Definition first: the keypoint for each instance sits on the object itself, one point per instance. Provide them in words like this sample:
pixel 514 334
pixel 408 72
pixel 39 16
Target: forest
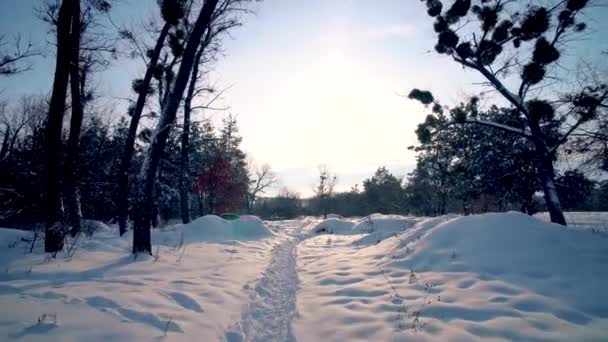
pixel 67 156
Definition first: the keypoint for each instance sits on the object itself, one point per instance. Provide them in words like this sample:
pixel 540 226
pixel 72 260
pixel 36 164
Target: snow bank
pixel 517 262
pixel 10 237
pixel 215 228
pixel 333 226
pixel 184 292
pixel 379 227
pixel 376 227
pixel 593 221
pixel 503 277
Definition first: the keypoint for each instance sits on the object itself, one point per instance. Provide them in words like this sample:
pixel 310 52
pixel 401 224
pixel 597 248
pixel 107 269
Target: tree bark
pixel 123 181
pixel 53 238
pixel 552 202
pixel 184 181
pixel 141 236
pixel 547 174
pixel 71 174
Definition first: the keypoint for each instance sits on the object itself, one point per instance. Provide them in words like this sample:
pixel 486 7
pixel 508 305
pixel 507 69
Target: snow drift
pixel 503 277
pixel 333 226
pixel 215 228
pixel 376 227
pixel 549 259
pixel 499 277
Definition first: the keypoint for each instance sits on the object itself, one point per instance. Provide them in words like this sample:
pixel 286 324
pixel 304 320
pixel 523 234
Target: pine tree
pixel 539 31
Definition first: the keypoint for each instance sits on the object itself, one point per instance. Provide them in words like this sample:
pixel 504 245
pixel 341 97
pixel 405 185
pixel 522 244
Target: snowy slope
pixel 487 277
pixel 497 277
pixel 189 289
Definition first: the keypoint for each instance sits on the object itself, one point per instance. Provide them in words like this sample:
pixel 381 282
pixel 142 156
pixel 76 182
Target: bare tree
pixel 260 178
pixel 141 232
pixel 71 197
pixel 223 19
pixel 53 238
pixel 324 189
pixel 11 125
pixel 172 11
pixel 90 45
pixel 14 62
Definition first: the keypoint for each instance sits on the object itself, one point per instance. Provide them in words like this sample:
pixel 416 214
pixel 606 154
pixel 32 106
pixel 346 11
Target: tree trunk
pixel 547 174
pixel 184 181
pixel 141 236
pixel 71 175
pixel 125 165
pixel 53 238
pixel 201 208
pixel 5 143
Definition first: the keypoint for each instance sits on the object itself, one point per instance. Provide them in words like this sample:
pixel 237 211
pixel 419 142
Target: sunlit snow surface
pixel 383 278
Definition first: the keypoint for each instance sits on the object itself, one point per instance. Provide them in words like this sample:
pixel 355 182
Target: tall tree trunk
pixel 141 234
pixel 71 175
pixel 123 181
pixel 53 237
pixel 184 181
pixel 547 174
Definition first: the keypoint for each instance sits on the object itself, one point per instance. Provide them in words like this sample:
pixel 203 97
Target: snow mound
pixel 558 263
pixel 91 226
pixel 376 227
pixel 10 237
pixel 498 277
pixel 215 228
pixel 333 216
pixel 379 227
pixel 333 226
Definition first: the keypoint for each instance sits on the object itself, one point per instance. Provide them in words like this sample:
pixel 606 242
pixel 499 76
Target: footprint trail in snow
pixel 272 308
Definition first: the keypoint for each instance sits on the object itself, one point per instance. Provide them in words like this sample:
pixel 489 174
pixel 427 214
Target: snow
pixel 334 226
pixel 215 228
pixel 187 290
pixel 596 222
pixel 495 277
pixel 375 227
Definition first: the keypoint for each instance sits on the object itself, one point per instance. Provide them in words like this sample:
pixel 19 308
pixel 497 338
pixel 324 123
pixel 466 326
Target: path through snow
pixel 269 315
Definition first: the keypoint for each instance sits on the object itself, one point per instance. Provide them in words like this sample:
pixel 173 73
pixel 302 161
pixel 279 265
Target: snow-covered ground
pixel 382 278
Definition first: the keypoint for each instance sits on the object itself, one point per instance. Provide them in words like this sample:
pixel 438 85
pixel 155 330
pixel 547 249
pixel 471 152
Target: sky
pixel 311 82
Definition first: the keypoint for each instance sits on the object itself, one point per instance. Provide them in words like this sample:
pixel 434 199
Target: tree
pixel 287 204
pixel 88 46
pixel 480 51
pixel 13 62
pixel 466 165
pixel 21 167
pixel 591 139
pixel 172 11
pixel 206 54
pixel 260 179
pixel 81 18
pixel 223 177
pixel 141 235
pixel 383 192
pixel 324 189
pixel 574 189
pixel 53 238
